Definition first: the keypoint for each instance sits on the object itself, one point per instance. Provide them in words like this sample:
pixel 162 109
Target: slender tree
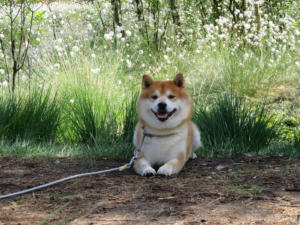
pixel 116 8
pixel 20 16
pixel 141 18
pixel 175 17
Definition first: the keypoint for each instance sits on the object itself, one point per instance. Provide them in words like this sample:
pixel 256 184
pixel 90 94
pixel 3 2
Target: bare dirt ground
pixel 208 191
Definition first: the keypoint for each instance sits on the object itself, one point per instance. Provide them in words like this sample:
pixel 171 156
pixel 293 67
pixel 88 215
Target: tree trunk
pixel 139 10
pixel 116 7
pixel 258 17
pixel 141 19
pixel 175 17
pixel 216 11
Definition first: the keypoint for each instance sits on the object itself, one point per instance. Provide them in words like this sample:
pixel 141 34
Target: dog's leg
pixel 193 155
pixel 173 166
pixel 196 141
pixel 143 167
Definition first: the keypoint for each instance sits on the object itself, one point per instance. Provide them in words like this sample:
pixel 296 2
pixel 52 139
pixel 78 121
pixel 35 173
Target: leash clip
pixel 134 157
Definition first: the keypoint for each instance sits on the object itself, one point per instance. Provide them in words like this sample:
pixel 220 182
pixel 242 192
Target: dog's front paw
pixel 167 170
pixel 193 156
pixel 148 171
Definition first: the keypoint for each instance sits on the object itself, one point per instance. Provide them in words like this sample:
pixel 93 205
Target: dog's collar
pixel 146 134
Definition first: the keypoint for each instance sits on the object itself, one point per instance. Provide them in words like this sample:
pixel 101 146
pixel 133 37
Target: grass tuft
pixel 34 116
pixel 129 117
pixel 99 120
pixel 91 118
pixel 232 127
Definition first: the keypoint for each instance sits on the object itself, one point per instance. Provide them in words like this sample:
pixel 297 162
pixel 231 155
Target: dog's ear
pixel 179 80
pixel 147 81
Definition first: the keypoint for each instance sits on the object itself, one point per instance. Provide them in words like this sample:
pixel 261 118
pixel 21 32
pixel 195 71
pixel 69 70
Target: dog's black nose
pixel 162 106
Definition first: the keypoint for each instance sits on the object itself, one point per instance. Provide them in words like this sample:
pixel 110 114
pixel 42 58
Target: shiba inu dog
pixel 165 134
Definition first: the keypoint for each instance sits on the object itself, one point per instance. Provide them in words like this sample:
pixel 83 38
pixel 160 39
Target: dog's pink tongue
pixel 162 115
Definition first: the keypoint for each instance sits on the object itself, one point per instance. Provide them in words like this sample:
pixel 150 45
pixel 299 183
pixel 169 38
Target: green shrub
pixel 231 127
pixel 91 118
pixel 297 141
pixel 97 119
pixel 129 118
pixel 34 116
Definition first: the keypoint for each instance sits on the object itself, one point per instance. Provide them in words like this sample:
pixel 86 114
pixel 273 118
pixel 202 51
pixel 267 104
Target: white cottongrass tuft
pixel 5 83
pixel 89 26
pixel 129 63
pixel 96 70
pixel 167 59
pixel 109 36
pixel 75 48
pixel 128 33
pixel 57 65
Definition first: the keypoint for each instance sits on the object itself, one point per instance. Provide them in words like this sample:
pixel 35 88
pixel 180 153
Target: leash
pixel 121 168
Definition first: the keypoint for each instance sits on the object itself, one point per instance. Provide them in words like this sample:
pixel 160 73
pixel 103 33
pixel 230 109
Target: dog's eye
pixel 171 96
pixel 154 96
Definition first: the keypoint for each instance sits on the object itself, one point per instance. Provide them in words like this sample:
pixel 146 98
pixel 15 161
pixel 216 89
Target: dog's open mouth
pixel 163 115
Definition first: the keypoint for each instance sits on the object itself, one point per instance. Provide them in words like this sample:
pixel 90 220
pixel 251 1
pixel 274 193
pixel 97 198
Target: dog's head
pixel 164 104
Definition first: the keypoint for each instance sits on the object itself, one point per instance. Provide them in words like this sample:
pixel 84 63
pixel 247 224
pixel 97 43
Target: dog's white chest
pixel 160 149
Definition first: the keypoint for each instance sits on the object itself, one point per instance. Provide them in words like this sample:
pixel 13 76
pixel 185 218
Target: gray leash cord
pixel 121 168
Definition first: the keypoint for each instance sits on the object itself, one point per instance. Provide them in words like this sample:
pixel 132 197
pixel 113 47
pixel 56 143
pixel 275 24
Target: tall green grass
pixel 230 126
pixel 129 117
pixel 98 110
pixel 95 106
pixel 97 119
pixel 101 124
pixel 91 118
pixel 33 116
